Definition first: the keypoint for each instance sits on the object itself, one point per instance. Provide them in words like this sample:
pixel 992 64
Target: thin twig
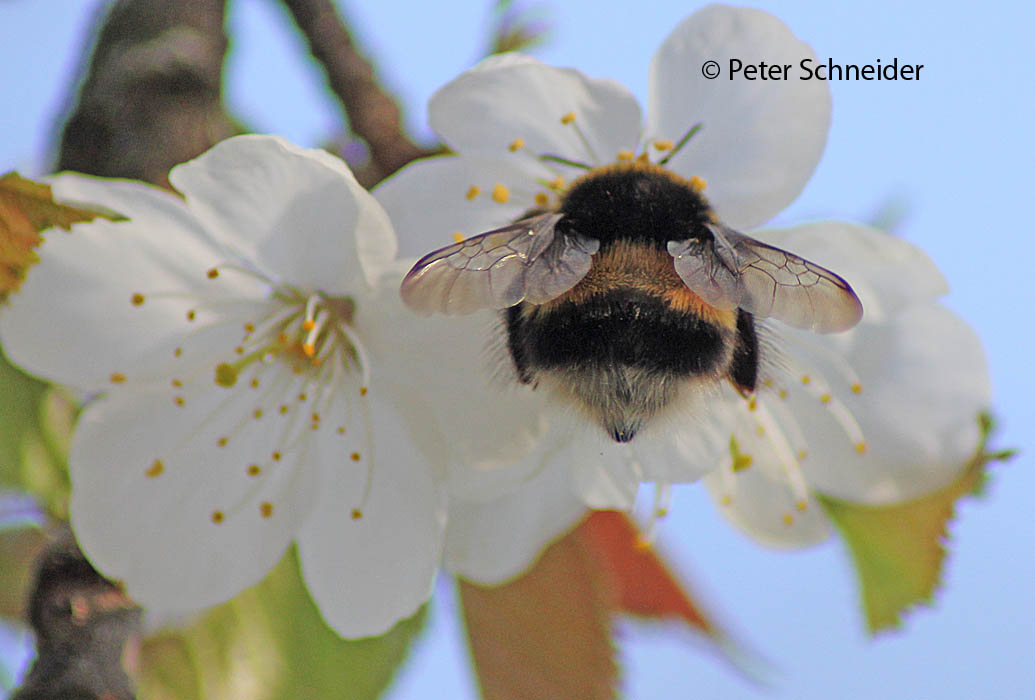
pixel 372 113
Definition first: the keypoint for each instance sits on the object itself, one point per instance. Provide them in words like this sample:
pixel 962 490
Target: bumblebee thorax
pixel 636 201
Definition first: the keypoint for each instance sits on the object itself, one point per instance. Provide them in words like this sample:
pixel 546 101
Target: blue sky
pixel 956 146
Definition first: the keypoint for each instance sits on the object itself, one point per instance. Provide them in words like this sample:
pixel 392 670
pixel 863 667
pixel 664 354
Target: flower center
pixel 290 374
pixel 305 333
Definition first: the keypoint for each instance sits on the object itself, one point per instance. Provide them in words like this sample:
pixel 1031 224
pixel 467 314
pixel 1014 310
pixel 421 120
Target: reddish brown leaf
pixel 26 208
pixel 644 584
pixel 546 634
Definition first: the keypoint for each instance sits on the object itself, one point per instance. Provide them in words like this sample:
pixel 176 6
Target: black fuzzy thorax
pixel 639 203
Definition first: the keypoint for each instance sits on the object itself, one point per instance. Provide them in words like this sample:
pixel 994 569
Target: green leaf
pixel 899 551
pixel 35 431
pixel 19 549
pixel 270 643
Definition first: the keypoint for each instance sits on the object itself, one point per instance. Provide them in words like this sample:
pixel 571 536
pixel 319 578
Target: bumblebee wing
pixel 734 270
pixel 526 260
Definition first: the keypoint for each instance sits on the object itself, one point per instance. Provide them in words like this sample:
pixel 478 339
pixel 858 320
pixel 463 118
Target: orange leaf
pixel 26 208
pixel 546 634
pixel 644 584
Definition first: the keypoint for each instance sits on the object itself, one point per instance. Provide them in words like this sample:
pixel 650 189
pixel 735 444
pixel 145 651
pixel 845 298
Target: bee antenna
pixel 549 157
pixel 682 142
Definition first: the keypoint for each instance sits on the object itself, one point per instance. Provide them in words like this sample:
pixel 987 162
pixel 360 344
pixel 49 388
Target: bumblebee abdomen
pixel 624 328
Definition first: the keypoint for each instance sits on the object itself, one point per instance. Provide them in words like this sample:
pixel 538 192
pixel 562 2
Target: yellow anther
pixel 857 388
pixel 568 118
pixel 239 350
pixel 825 399
pixel 726 500
pixel 802 454
pixel 218 516
pixel 663 145
pixel 137 299
pixel 266 509
pixel 788 519
pixel 752 403
pixel 759 431
pixel 341 430
pixel 283 408
pixel 354 456
pixel 782 393
pixel 177 352
pixel 282 338
pixel 177 383
pixel 117 377
pixel 356 514
pixel 516 145
pixel 316 417
pixel 155 469
pixel 643 158
pixel 626 155
pixel 212 273
pixel 741 461
pixel 249 328
pixel 257 414
pixel 472 192
pixel 541 199
pixel 500 194
pixel 222 441
pixel 254 383
pixel 309 349
pixel 641 544
pixel 276 456
pixel 303 396
pixel 801 506
pixel 226 375
pixel 860 447
pixel 254 470
pixel 458 237
pixel 308 325
pixel 191 315
pixel 806 379
pixel 363 391
pixel 697 184
pixel 179 401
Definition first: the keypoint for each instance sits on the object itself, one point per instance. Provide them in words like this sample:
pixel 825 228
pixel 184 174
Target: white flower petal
pixel 760 139
pixel 886 272
pixel 493 541
pixel 158 503
pixel 74 320
pixel 367 573
pixel 430 200
pixel 924 380
pixel 299 214
pixel 510 97
pixel 762 505
pixel 605 474
pixel 492 425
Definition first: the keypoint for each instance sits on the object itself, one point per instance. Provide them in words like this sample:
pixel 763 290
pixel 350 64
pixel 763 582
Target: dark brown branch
pixel 152 96
pixel 372 113
pixel 85 629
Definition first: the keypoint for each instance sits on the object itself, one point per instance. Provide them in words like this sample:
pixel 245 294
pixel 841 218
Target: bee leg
pixel 515 345
pixel 743 369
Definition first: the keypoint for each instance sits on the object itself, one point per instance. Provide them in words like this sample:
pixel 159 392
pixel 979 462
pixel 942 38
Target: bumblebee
pixel 630 294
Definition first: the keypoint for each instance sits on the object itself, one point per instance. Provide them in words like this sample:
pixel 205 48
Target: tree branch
pixel 372 113
pixel 152 95
pixel 85 628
